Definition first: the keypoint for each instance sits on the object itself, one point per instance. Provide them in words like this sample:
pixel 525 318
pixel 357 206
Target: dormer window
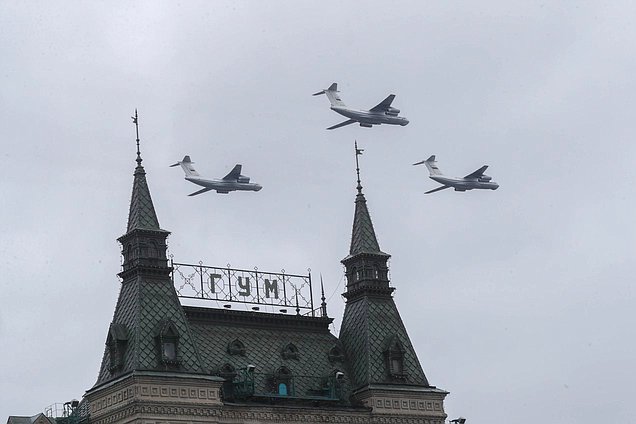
pixel 167 337
pixel 283 382
pixel 290 352
pixel 228 372
pixel 336 354
pixel 236 347
pixel 394 354
pixel 116 342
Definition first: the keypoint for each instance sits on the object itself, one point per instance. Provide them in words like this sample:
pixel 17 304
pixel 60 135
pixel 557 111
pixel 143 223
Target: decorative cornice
pixel 258 319
pixel 368 289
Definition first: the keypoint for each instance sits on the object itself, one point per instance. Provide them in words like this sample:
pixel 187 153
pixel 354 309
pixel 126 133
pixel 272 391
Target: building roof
pixel 265 338
pixel 142 213
pixel 147 299
pixel 368 327
pixel 36 419
pixel 363 239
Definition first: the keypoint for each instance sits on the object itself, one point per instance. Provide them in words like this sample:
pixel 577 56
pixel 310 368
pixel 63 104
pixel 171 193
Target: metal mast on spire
pixel 136 122
pixel 323 305
pixel 358 153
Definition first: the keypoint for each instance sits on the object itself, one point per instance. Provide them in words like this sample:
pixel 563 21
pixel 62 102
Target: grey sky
pixel 519 301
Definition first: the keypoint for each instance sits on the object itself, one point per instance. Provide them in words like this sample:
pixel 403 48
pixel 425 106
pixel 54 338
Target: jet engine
pixel 243 179
pixel 392 111
pixel 485 178
pixel 364 124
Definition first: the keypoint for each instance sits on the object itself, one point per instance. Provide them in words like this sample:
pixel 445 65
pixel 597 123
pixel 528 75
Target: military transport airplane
pixel 231 182
pixel 476 179
pixel 383 113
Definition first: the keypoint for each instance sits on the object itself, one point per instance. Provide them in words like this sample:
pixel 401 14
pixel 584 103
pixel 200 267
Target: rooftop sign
pixel 244 286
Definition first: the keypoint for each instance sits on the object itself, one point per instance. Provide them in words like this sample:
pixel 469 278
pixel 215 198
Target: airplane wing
pixel 437 189
pixel 203 190
pixel 477 173
pixel 384 104
pixel 342 124
pixel 234 173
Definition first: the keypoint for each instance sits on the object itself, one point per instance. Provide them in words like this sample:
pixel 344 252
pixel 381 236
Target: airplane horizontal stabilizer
pixel 203 190
pixel 342 124
pixel 333 88
pixel 430 159
pixel 437 189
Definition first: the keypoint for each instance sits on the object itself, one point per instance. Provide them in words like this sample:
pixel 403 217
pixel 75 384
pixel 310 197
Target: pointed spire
pixel 323 304
pixel 363 239
pixel 142 213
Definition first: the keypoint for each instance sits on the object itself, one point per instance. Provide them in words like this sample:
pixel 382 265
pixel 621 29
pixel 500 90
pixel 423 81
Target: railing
pixel 66 413
pixel 254 385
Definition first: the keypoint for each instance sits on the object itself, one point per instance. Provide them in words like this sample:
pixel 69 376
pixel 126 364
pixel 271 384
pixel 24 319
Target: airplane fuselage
pixel 368 118
pixel 224 186
pixel 463 184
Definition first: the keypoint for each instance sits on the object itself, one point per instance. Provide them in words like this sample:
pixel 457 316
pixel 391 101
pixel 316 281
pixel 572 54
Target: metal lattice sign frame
pixel 243 286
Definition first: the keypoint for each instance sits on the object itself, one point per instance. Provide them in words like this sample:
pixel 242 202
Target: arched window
pixel 236 347
pixel 228 372
pixel 167 337
pixel 116 342
pixel 129 253
pixel 394 354
pixel 282 389
pixel 283 382
pixel 153 250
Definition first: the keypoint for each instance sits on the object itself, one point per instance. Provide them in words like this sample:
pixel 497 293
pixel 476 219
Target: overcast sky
pixel 518 301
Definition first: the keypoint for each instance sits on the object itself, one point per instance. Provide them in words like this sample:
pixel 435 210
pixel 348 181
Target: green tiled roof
pixel 147 297
pixel 363 239
pixel 142 305
pixel 264 337
pixel 142 212
pixel 368 324
pixel 371 319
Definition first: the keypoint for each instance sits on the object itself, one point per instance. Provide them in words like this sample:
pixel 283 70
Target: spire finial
pixel 358 153
pixel 297 307
pixel 323 305
pixel 136 122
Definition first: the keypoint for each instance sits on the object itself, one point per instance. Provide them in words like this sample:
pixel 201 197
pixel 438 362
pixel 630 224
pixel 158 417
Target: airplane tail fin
pixel 186 165
pixel 332 95
pixel 431 164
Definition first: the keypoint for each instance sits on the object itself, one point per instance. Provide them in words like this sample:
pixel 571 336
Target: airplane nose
pixel 405 122
pixel 259 187
pixel 496 186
